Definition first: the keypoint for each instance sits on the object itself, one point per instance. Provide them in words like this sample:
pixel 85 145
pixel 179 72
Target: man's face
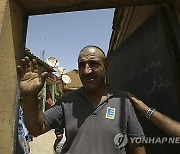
pixel 91 68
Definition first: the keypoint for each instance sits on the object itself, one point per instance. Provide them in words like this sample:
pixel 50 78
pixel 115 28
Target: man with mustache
pixel 97 118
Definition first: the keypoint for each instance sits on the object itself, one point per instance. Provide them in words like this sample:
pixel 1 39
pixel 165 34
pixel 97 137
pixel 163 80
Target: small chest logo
pixel 110 113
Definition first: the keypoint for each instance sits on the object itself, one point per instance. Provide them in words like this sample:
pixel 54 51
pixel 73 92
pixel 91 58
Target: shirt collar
pixel 109 95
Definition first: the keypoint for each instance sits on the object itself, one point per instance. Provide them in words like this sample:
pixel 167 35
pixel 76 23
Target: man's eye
pixel 94 64
pixel 81 65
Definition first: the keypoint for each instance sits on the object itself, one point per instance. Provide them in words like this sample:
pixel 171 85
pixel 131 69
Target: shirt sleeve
pixel 134 127
pixel 54 117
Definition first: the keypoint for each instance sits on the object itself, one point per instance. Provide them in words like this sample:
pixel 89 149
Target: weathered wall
pixel 13 22
pixel 137 73
pixel 11 43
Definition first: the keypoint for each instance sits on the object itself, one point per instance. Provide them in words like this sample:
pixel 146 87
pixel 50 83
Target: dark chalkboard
pixel 141 65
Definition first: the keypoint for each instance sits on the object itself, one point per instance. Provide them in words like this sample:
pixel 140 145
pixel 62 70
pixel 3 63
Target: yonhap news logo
pixel 155 140
pixel 120 140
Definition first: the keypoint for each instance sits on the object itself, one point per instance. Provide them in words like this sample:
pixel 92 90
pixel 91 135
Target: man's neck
pixel 96 96
pixel 103 90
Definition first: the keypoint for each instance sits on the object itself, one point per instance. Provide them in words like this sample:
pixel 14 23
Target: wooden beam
pixel 34 7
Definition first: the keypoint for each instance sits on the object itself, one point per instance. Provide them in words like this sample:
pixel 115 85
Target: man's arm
pixel 168 125
pixel 134 131
pixel 30 85
pixel 33 116
pixel 134 148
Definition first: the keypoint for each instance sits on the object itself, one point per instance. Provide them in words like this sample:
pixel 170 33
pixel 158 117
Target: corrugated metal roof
pixel 32 56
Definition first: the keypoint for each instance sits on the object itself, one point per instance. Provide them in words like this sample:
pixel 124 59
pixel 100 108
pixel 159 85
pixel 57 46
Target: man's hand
pixel 30 81
pixel 140 106
pixel 168 125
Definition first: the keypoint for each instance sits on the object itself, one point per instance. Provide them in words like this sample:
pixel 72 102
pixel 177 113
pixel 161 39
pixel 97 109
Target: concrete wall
pixel 128 19
pixel 13 22
pixel 11 44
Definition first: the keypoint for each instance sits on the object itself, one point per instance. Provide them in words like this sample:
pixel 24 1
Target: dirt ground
pixel 43 144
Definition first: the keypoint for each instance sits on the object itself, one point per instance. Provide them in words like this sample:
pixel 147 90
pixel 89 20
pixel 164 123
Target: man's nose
pixel 87 69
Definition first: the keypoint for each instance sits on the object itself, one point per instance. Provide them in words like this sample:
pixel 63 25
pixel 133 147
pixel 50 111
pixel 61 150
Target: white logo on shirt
pixel 110 113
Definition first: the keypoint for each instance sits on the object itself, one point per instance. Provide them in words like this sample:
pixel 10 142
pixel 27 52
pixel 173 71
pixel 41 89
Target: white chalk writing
pixel 157 83
pixel 135 74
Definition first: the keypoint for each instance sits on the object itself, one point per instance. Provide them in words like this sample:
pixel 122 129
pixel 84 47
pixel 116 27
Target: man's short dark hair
pixel 93 46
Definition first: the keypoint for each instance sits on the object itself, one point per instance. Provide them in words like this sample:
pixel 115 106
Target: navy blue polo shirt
pixel 94 131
